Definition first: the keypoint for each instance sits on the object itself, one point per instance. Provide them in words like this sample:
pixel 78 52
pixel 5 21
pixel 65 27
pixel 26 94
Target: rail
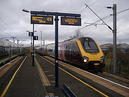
pixel 68 92
pixel 118 88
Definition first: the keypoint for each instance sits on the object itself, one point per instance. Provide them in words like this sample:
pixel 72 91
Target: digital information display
pixel 41 19
pixel 73 21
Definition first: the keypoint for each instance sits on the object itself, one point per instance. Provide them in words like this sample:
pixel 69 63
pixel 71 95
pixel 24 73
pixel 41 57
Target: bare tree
pixel 77 34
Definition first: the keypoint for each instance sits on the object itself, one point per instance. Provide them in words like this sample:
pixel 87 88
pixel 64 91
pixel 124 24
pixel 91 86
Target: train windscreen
pixel 90 46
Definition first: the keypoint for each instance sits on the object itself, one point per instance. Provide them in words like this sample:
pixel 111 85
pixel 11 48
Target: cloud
pixel 14 22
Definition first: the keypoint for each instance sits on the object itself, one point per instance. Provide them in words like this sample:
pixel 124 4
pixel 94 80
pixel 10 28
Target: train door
pixel 76 56
pixel 62 51
pixel 67 52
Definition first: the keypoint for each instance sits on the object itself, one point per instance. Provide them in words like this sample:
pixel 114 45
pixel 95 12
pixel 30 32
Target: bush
pixel 122 61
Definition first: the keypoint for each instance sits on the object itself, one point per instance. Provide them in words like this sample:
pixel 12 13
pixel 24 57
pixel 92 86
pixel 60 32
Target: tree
pixel 77 34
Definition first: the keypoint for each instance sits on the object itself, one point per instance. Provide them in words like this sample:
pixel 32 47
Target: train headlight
pixel 102 58
pixel 85 59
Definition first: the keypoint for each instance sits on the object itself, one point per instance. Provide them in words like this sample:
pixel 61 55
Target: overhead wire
pixel 101 19
pixel 96 21
pixel 123 11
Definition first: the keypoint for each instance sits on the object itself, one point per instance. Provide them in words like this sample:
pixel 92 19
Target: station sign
pixel 41 19
pixel 35 37
pixel 30 33
pixel 73 21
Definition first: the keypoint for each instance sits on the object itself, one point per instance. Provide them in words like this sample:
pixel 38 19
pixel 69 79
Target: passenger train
pixel 83 52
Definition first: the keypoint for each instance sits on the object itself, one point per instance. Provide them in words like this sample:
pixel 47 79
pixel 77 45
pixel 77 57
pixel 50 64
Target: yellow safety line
pixel 80 80
pixel 8 85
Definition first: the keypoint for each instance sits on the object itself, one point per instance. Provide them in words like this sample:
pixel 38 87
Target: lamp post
pixel 31 35
pixel 114 8
pixel 13 44
pixel 24 10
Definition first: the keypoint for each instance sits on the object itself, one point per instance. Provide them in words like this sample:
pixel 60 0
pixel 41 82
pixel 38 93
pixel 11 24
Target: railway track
pixel 118 88
pixel 106 75
pixel 7 70
pixel 7 66
pixel 115 78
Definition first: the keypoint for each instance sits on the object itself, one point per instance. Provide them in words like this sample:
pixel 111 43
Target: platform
pixel 39 81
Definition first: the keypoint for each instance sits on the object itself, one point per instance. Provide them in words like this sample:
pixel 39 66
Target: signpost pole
pixel 31 40
pixel 56 52
pixel 33 48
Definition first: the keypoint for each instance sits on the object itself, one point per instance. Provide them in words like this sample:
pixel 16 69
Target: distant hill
pixel 123 45
pixel 109 45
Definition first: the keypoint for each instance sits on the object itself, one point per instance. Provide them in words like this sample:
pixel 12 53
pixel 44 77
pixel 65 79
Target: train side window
pixel 66 46
pixel 59 48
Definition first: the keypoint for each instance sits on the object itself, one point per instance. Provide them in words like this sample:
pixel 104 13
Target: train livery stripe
pixel 8 85
pixel 79 80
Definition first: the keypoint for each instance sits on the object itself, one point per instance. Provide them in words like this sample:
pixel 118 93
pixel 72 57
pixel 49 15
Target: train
pixel 82 52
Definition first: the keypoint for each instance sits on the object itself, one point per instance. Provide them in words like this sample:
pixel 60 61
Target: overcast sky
pixel 14 22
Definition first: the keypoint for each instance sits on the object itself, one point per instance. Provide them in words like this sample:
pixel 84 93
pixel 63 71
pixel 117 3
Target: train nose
pixel 102 58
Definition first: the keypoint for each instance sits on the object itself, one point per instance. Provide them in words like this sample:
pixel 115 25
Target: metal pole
pixel 31 42
pixel 114 38
pixel 33 48
pixel 56 52
pixel 41 40
pixel 17 46
pixel 10 51
pixel 13 45
pixel 43 46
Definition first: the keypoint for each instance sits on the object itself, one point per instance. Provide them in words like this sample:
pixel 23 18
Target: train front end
pixel 92 55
